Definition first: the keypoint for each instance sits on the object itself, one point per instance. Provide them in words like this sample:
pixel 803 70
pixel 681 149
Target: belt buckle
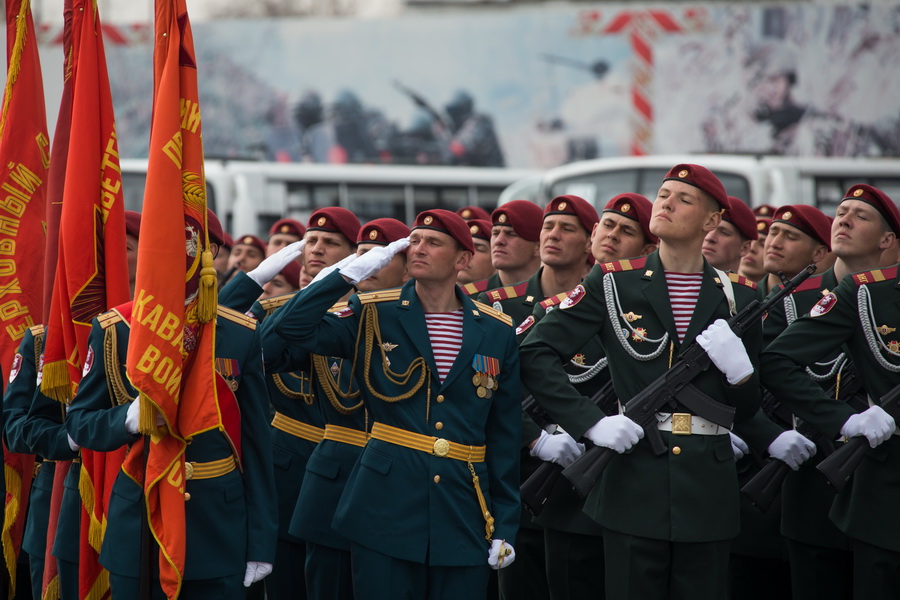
pixel 441 447
pixel 188 471
pixel 681 423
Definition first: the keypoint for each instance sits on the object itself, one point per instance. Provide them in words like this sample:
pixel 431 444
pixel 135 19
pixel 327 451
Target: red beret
pixel 634 206
pixel 215 231
pixel 335 220
pixel 808 219
pixel 701 178
pixel 762 225
pixel 879 200
pixel 764 210
pixel 740 215
pixel 473 212
pixel 525 217
pixel 291 272
pixel 250 240
pixel 382 232
pixel 480 229
pixel 576 206
pixel 447 222
pixel 132 223
pixel 228 242
pixel 288 226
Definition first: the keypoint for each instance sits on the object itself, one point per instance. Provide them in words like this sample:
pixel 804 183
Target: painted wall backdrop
pixel 529 87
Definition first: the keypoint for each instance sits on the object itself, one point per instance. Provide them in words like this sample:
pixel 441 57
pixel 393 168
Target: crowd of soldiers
pixel 381 369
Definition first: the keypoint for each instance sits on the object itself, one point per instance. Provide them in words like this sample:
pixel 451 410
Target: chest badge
pixel 884 329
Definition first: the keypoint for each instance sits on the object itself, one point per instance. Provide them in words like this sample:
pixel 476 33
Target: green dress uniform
pixel 412 509
pixel 681 507
pixel 230 514
pixel 858 315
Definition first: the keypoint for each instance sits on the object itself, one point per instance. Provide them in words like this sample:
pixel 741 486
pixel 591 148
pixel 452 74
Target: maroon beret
pixel 740 215
pixel 764 210
pixel 288 226
pixel 481 229
pixel 525 217
pixel 576 206
pixel 250 240
pixel 762 225
pixel 228 242
pixel 132 223
pixel 634 206
pixel 291 272
pixel 808 219
pixel 447 222
pixel 215 231
pixel 473 212
pixel 382 232
pixel 701 178
pixel 877 199
pixel 335 219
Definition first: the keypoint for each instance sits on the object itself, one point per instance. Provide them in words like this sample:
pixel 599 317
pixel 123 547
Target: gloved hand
pixel 326 271
pixel 272 266
pixel 874 423
pixel 72 443
pixel 133 417
pixel 615 431
pixel 559 448
pixel 256 571
pixel 738 446
pixel 501 554
pixel 726 351
pixel 792 448
pixel 373 261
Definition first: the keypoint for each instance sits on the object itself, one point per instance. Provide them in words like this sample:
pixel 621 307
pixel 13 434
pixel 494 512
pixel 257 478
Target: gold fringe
pixel 147 419
pixel 86 489
pixel 207 297
pixel 100 587
pixel 55 383
pixel 15 60
pixel 52 591
pixel 11 513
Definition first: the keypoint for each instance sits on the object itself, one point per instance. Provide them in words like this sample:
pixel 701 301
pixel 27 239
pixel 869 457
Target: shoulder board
pixel 108 319
pixel 741 280
pixel 380 296
pixel 508 292
pixel 36 330
pixel 493 312
pixel 270 304
pixel 875 276
pixel 813 283
pixel 475 287
pixel 554 300
pixel 237 317
pixel 628 264
pixel 337 307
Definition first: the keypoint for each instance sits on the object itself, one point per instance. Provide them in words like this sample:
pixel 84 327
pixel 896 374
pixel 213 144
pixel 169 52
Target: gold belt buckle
pixel 681 423
pixel 188 471
pixel 441 447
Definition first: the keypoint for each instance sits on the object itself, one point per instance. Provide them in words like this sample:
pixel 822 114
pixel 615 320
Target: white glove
pixel 560 448
pixel 874 423
pixel 133 417
pixel 326 271
pixel 72 443
pixel 615 431
pixel 792 448
pixel 738 446
pixel 373 261
pixel 726 351
pixel 501 554
pixel 273 265
pixel 256 571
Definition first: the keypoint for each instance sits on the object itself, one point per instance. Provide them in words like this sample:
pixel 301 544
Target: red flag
pixel 24 160
pixel 50 585
pixel 171 348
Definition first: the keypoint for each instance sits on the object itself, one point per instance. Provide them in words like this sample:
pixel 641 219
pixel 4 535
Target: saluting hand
pixel 272 266
pixel 373 261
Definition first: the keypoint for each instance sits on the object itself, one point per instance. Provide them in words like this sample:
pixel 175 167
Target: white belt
pixel 688 424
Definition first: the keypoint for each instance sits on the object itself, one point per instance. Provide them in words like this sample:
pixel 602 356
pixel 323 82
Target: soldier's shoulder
pixel 338 307
pixel 109 318
pixel 741 280
pixel 494 313
pixel 554 300
pixel 270 304
pixel 508 292
pixel 811 284
pixel 875 275
pixel 237 317
pixel 36 330
pixel 380 296
pixel 622 266
pixel 476 287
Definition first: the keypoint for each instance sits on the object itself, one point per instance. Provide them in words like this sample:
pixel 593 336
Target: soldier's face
pixel 682 212
pixel 858 231
pixel 724 246
pixel 788 249
pixel 480 266
pixel 564 242
pixel 323 249
pixel 279 241
pixel 245 257
pixel 616 237
pixel 434 256
pixel 393 275
pixel 509 250
pixel 752 263
pixel 277 286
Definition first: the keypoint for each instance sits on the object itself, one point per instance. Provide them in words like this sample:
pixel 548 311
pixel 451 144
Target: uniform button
pixel 676 450
pixel 187 496
pixel 437 478
pixel 438 425
pixel 440 398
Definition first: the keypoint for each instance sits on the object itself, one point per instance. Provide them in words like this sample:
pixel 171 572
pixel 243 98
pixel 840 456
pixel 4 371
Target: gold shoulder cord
pixel 114 382
pixel 332 387
pixel 38 348
pixel 308 398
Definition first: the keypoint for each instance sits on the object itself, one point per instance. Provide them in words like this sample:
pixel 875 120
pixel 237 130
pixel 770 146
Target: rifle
pixel 839 467
pixel 674 387
pixel 763 488
pixel 536 489
pixel 421 102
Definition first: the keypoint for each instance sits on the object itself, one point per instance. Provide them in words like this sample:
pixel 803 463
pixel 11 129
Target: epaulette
pixel 741 280
pixel 554 300
pixel 875 276
pixel 493 312
pixel 270 304
pixel 36 330
pixel 237 317
pixel 629 264
pixel 108 319
pixel 380 296
pixel 813 283
pixel 337 307
pixel 475 287
pixel 508 292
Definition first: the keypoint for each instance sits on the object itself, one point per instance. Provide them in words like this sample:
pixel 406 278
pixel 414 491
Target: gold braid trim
pixel 308 398
pixel 114 384
pixel 332 387
pixel 369 320
pixel 38 344
pixel 482 503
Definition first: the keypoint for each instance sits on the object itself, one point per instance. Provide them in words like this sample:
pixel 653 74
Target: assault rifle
pixel 420 101
pixel 674 387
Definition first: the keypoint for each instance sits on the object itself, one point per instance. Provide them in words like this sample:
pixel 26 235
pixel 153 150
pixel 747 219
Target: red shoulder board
pixel 525 325
pixel 875 276
pixel 475 287
pixel 507 292
pixel 629 264
pixel 813 283
pixel 554 300
pixel 740 280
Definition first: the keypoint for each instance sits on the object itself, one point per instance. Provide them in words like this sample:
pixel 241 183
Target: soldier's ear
pixel 888 239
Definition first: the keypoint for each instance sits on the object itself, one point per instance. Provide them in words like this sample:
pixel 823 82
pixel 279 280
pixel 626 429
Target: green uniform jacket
pixel 401 502
pixel 867 508
pixel 230 519
pixel 690 495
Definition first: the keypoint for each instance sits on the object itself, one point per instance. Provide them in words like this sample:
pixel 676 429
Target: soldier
pixel 410 538
pixel 330 236
pixel 727 244
pixel 752 263
pixel 284 232
pixel 667 520
pixel 247 253
pixel 799 235
pixel 285 282
pixel 480 267
pixel 857 315
pixel 624 229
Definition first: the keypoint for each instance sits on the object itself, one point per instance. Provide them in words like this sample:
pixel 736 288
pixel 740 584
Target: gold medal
pixel 476 379
pixel 482 392
pixel 489 383
pixel 496 385
pixel 488 393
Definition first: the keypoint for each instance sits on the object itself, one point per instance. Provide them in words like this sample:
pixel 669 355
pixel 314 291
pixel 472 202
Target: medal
pixel 485 378
pixel 482 392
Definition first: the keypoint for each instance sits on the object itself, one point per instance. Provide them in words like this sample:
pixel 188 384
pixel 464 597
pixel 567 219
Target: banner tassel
pixel 55 381
pixel 208 298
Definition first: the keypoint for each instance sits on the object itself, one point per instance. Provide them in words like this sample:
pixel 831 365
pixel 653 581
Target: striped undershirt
pixel 445 333
pixel 684 288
